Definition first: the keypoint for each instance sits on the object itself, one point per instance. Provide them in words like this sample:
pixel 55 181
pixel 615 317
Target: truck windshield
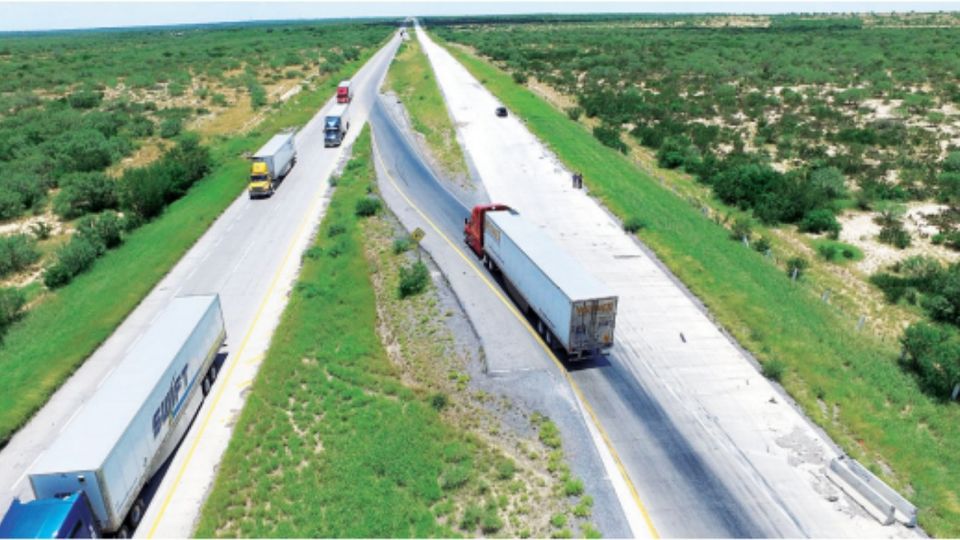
pixel 333 122
pixel 258 177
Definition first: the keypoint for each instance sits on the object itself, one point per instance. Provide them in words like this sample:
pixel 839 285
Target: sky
pixel 20 16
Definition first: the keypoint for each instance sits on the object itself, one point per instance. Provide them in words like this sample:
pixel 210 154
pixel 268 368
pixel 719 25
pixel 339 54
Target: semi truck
pixel 271 164
pixel 89 481
pixel 335 125
pixel 573 311
pixel 344 92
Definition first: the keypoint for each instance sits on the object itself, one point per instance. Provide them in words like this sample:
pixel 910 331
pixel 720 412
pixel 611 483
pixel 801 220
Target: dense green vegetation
pixel 46 344
pixel 847 382
pixel 331 443
pixel 820 97
pixel 412 79
pixel 76 102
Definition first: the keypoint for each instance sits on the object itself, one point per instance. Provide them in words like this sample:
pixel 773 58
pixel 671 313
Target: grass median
pixel 54 338
pixel 411 78
pixel 849 383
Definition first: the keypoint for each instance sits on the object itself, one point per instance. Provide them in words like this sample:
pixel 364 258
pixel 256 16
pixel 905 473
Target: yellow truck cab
pixel 260 181
pixel 271 164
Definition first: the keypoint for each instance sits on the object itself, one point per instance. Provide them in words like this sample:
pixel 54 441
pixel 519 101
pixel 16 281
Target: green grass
pixel 411 77
pixel 56 336
pixel 331 443
pixel 882 418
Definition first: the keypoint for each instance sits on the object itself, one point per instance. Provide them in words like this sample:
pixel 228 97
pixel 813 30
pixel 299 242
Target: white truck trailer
pixel 571 309
pixel 131 425
pixel 272 163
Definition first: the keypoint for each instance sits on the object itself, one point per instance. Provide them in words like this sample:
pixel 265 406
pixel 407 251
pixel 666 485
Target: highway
pixel 250 256
pixel 712 447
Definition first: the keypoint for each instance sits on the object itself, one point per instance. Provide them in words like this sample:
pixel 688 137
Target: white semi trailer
pixel 573 310
pixel 120 437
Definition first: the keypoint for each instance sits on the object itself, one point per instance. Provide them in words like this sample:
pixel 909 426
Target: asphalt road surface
pixel 250 256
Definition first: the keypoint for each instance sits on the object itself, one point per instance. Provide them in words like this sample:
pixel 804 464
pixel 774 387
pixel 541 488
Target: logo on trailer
pixel 171 401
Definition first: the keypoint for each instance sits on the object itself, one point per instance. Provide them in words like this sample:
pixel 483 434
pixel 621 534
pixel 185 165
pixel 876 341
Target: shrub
pixel 471 517
pixel 742 228
pixel 520 77
pixel 634 224
pixel 674 152
pixel 17 252
pixel 219 100
pixel 11 304
pixel 895 235
pixel 144 192
pixel 773 370
pixel 820 220
pixel 104 231
pixel 583 508
pixel 573 487
pixel 368 206
pixel 932 351
pixel 505 468
pixel 401 245
pixel 574 113
pixel 549 434
pixel 41 229
pixel 797 265
pixel 86 98
pixel 73 258
pixel 171 127
pixel 610 136
pixel 558 520
pixel 438 401
pixel 491 522
pixel 413 279
pixel 82 193
pixel 762 244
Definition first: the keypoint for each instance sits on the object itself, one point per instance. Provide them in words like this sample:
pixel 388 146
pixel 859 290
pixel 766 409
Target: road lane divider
pixel 471 262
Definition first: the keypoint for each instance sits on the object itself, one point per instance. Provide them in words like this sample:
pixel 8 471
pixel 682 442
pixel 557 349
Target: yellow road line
pixel 224 383
pixel 516 313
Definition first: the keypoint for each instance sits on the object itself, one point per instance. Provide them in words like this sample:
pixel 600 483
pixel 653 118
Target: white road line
pixel 13 488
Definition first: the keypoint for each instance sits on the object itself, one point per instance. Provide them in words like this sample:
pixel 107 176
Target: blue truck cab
pixel 67 517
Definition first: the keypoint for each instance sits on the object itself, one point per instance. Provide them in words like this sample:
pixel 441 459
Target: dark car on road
pixel 502 112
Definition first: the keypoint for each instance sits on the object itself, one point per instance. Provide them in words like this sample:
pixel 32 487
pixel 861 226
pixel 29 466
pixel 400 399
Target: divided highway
pixel 250 256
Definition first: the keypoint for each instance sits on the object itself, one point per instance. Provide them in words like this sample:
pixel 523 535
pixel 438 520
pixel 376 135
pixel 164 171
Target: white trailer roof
pixel 88 439
pixel 274 144
pixel 337 110
pixel 562 269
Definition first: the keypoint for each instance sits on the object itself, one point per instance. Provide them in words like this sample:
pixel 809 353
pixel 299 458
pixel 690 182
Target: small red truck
pixel 344 92
pixel 572 310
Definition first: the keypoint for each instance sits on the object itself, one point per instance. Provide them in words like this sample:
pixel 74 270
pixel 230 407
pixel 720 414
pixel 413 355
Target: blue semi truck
pixel 89 482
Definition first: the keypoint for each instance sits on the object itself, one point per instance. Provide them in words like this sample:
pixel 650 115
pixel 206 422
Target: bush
pixel 86 98
pixel 574 113
pixel 610 136
pixel 634 224
pixel 932 352
pixel 742 228
pixel 773 370
pixel 368 206
pixel 147 190
pixel 471 517
pixel 17 252
pixel 104 231
pixel 171 127
pixel 413 279
pixel 798 265
pixel 820 220
pixel 73 258
pixel 674 152
pixel 11 305
pixel 491 522
pixel 82 193
pixel 894 234
pixel 762 245
pixel 520 77
pixel 401 245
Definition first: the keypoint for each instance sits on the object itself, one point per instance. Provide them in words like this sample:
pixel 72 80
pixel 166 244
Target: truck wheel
pixel 205 385
pixel 212 374
pixel 124 531
pixel 136 514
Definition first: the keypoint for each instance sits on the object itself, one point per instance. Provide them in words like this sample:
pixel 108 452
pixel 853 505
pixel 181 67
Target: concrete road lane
pixel 250 256
pixel 517 365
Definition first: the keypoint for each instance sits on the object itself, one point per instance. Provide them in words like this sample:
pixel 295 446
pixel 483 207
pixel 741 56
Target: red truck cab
pixel 473 226
pixel 344 92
